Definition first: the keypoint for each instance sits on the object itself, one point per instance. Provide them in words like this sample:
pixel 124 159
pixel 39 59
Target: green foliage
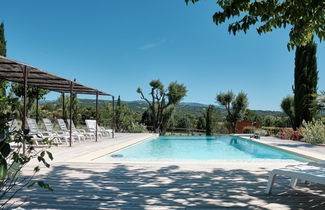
pixel 320 106
pixel 161 99
pixel 125 120
pixel 3 42
pixel 252 116
pixel 249 129
pixel 176 92
pixel 183 122
pixel 313 132
pixel 33 93
pixel 287 106
pixel 201 123
pixel 275 121
pixel 272 131
pixel 195 109
pixel 261 132
pixel 210 120
pixel 140 114
pixel 167 118
pixel 13 160
pixel 221 128
pixel 236 107
pixel 305 86
pixel 105 114
pixel 304 17
pixel 119 114
pixel 60 100
pixel 3 52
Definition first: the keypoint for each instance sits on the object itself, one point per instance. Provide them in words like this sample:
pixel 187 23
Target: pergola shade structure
pixel 30 76
pixel 14 71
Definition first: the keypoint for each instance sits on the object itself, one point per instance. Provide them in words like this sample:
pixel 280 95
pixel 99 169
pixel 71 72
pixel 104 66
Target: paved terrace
pixel 235 185
pixel 310 150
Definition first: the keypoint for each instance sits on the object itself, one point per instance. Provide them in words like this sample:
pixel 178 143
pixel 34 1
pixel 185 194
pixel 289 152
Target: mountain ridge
pixel 194 108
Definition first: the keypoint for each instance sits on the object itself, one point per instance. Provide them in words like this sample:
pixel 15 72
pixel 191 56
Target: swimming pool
pixel 200 148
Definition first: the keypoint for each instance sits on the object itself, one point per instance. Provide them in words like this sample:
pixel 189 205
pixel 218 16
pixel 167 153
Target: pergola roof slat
pixel 13 71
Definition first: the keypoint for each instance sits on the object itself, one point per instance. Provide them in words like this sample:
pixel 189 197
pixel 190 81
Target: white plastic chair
pixel 311 172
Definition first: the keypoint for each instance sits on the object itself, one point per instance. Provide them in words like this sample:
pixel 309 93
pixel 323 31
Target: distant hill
pixel 182 108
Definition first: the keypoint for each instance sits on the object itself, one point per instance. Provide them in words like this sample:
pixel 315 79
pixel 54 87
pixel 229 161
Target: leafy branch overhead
pixel 305 18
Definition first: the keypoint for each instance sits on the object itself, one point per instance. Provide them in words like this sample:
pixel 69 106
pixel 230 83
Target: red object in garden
pixel 245 123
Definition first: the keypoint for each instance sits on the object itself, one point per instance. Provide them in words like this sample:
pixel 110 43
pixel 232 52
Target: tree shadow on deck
pixel 93 186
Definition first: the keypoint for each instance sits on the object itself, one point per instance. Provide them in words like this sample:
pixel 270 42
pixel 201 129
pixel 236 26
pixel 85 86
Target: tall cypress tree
pixel 210 120
pixel 305 84
pixel 118 115
pixel 3 49
pixel 3 52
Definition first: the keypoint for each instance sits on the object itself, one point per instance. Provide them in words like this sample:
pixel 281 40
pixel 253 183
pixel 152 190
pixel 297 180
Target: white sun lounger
pixel 91 125
pixel 63 134
pixel 89 135
pixel 313 172
pixel 37 135
pixel 78 132
pixel 13 127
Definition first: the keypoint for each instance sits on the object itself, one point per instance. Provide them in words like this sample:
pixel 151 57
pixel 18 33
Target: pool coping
pixel 307 154
pixel 108 150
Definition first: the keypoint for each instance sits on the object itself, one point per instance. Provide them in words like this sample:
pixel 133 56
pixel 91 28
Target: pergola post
pixel 113 127
pixel 37 95
pixel 71 99
pixel 96 115
pixel 63 107
pixel 24 120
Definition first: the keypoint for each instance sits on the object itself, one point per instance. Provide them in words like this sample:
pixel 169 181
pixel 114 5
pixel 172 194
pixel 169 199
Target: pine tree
pixel 305 85
pixel 3 52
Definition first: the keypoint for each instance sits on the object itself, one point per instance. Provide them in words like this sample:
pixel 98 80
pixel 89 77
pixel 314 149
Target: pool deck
pixel 312 151
pixel 82 184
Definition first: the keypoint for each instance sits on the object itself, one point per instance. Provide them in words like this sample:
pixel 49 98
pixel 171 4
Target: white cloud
pixel 152 45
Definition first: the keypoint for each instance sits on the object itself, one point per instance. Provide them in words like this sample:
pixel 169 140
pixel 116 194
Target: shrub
pixel 313 132
pixel 221 128
pixel 137 128
pixel 272 131
pixel 261 132
pixel 249 129
pixel 13 159
pixel 289 133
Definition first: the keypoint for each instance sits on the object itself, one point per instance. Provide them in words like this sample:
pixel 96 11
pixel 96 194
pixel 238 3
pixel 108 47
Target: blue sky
pixel 117 46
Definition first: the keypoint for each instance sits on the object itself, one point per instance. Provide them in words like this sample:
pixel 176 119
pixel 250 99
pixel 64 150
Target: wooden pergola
pixel 30 76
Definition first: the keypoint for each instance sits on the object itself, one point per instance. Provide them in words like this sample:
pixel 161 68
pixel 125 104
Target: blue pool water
pixel 200 148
